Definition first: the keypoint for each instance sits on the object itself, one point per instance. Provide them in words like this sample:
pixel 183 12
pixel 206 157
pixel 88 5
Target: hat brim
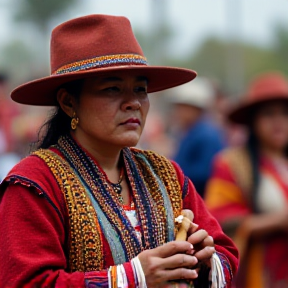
pixel 42 92
pixel 243 114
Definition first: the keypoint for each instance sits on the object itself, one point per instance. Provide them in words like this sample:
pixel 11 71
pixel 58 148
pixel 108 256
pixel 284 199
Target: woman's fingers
pixel 205 254
pixel 208 241
pixel 193 228
pixel 172 248
pixel 198 237
pixel 171 261
pixel 204 245
pixel 176 274
pixel 178 261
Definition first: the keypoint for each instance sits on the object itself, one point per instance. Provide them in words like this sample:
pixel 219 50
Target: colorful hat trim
pixel 102 61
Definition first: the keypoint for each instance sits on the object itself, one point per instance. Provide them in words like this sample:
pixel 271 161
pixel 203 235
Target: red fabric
pixel 269 167
pixel 267 255
pixel 231 209
pixel 8 111
pixel 33 237
pixel 276 252
pixel 222 170
pixel 230 212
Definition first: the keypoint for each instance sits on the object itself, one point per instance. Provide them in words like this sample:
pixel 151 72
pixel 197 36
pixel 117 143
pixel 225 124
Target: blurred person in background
pixel 199 139
pixel 8 111
pixel 248 190
pixel 235 134
pixel 86 209
pixel 25 128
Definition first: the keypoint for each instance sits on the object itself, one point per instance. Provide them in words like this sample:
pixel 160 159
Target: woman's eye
pixel 141 89
pixel 112 89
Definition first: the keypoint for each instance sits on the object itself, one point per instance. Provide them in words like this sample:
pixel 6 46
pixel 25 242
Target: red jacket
pixel 34 227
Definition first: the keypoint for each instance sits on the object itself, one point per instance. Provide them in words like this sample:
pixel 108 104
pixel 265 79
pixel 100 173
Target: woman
pixel 85 210
pixel 248 191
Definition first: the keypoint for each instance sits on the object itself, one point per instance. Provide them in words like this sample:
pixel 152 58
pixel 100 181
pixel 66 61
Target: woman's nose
pixel 132 103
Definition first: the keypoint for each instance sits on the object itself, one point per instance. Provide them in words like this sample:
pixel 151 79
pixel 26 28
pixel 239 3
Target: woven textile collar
pixel 95 211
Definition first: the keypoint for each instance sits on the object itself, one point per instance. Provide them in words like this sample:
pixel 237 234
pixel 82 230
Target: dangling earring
pixel 74 121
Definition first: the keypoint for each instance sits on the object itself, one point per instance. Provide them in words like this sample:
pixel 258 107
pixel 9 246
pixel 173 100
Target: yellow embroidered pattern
pixel 86 249
pixel 86 252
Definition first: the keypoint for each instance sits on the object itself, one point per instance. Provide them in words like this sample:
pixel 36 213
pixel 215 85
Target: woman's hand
pixel 203 246
pixel 171 261
pixel 261 225
pixel 258 227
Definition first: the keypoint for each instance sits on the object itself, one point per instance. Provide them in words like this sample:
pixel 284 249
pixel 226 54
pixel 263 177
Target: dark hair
pixel 253 152
pixel 58 123
pixel 253 148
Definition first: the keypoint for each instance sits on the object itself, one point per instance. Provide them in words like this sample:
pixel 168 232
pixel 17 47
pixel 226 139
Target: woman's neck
pixel 273 152
pixel 108 159
pixel 107 156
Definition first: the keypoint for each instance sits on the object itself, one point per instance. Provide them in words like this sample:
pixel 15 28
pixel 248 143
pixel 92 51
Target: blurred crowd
pixel 19 126
pixel 235 154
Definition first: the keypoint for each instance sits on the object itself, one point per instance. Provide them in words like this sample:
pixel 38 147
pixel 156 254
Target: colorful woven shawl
pixel 95 211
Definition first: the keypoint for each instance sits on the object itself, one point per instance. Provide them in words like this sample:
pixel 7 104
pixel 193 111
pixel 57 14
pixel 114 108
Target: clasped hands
pixel 177 259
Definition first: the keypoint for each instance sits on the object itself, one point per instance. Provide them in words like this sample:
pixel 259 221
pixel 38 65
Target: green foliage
pixel 281 46
pixel 40 12
pixel 233 64
pixel 153 44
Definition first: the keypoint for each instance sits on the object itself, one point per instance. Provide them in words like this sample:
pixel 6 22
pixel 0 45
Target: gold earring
pixel 74 121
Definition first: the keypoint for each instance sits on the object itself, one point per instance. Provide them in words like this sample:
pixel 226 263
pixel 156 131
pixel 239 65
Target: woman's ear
pixel 66 102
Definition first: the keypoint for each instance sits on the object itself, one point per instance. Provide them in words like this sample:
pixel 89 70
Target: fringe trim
pixel 217 275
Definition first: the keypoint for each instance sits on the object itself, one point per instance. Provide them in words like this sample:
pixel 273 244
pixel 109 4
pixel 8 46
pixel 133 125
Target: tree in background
pixel 40 13
pixel 281 46
pixel 27 55
pixel 210 59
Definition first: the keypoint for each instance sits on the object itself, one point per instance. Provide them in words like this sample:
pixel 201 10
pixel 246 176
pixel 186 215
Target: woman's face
pixel 112 110
pixel 271 124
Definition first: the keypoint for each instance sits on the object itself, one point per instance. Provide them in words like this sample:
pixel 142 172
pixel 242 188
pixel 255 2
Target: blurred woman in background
pixel 248 190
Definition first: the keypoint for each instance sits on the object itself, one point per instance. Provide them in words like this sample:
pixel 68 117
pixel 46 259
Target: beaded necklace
pixel 97 184
pixel 155 192
pixel 117 186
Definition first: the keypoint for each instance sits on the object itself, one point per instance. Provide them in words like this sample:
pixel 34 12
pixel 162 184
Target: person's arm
pixel 261 225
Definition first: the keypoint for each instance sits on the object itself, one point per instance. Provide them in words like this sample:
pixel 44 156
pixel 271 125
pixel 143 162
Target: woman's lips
pixel 132 121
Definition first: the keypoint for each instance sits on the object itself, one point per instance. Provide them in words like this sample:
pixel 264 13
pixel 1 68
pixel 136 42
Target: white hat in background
pixel 198 93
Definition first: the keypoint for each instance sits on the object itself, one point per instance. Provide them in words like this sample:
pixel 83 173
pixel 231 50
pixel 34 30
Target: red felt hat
pixel 265 88
pixel 96 45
